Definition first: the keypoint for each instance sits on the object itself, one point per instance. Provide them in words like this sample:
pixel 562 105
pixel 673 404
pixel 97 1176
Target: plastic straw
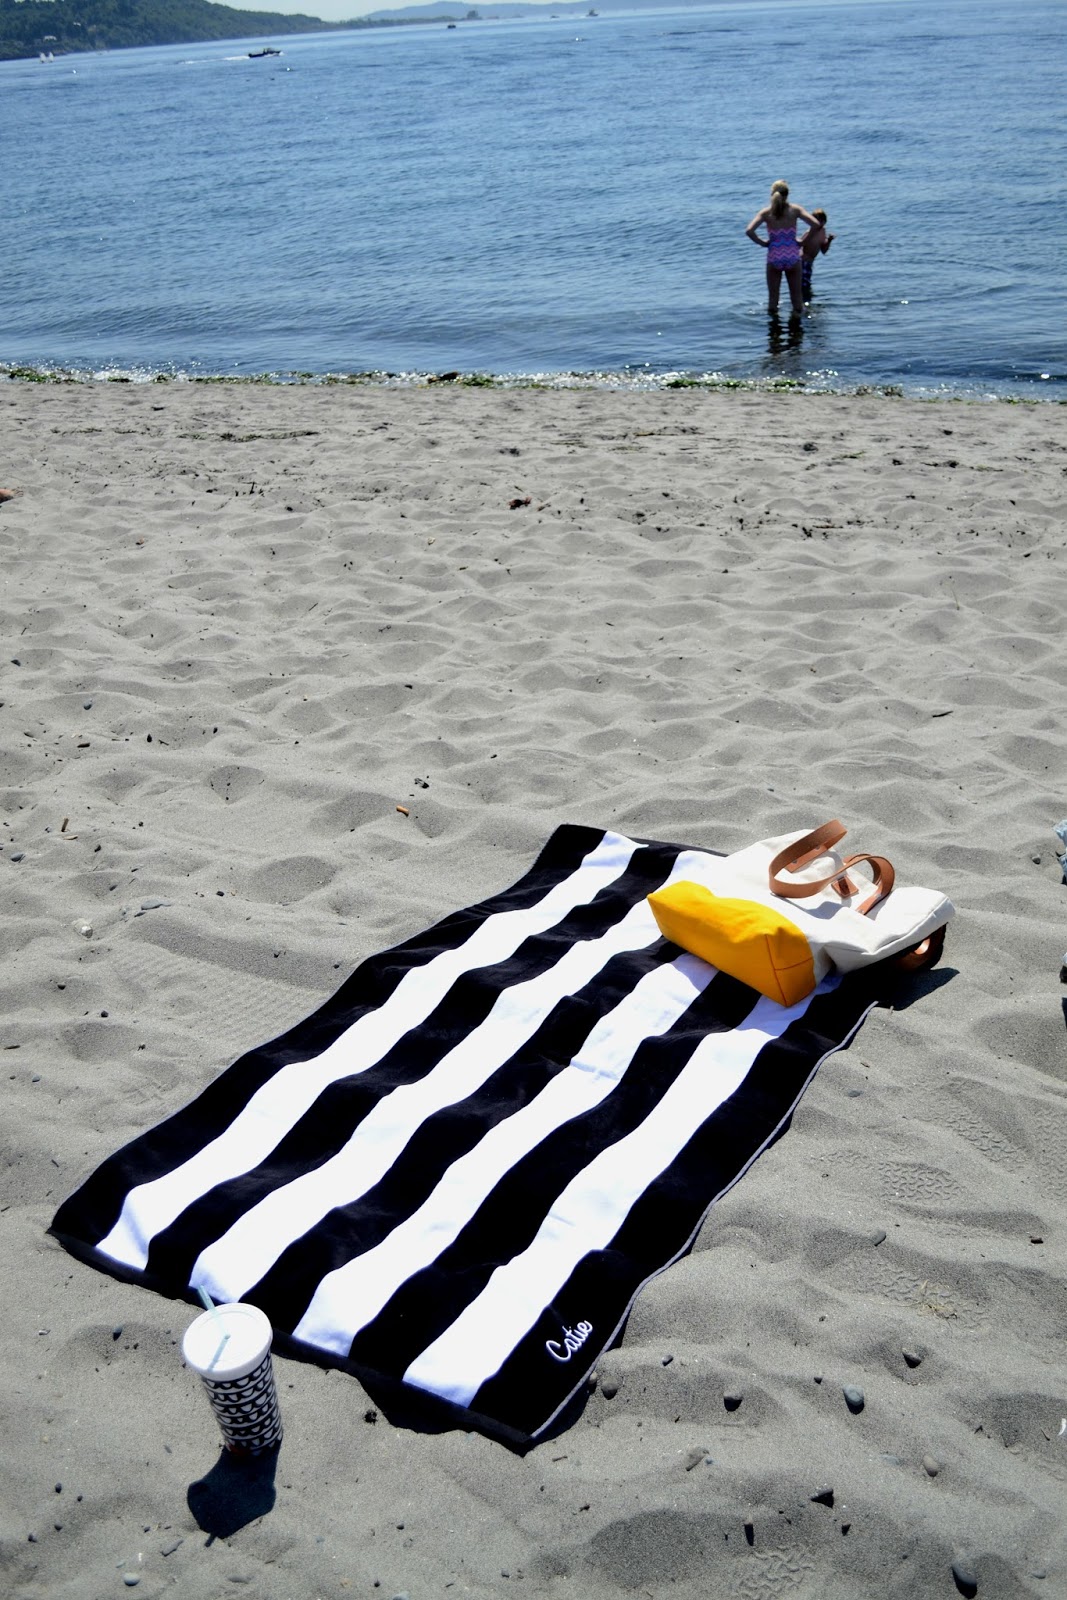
pixel 209 1305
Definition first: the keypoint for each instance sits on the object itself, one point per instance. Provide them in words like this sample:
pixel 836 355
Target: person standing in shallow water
pixel 813 244
pixel 780 219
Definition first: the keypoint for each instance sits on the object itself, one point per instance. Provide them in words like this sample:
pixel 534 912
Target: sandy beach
pixel 291 672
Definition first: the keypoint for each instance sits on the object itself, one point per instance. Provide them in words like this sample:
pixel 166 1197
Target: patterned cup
pixel 230 1349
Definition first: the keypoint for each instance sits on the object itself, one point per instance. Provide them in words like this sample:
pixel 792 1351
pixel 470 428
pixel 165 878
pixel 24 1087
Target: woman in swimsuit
pixel 781 244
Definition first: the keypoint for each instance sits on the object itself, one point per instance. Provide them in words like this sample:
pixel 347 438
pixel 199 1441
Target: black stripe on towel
pixel 525 1394
pixel 511 1215
pixel 92 1211
pixel 439 1142
pixel 344 1105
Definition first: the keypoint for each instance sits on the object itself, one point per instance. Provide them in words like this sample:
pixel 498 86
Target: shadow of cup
pixel 236 1491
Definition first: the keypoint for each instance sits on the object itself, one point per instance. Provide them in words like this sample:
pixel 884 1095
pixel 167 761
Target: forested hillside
pixel 35 27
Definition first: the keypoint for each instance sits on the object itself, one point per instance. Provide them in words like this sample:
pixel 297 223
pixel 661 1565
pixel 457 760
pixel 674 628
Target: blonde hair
pixel 779 196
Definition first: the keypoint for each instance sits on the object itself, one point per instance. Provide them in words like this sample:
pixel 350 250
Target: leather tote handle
pixel 884 878
pixel 923 954
pixel 802 852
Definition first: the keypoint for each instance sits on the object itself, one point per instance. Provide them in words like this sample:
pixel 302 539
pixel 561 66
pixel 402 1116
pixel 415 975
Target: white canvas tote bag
pixel 784 912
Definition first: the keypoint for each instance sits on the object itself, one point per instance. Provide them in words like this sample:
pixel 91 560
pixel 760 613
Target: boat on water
pixel 268 50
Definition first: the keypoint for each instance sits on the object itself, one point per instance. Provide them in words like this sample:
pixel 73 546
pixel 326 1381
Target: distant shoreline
pixel 208 23
pixel 88 28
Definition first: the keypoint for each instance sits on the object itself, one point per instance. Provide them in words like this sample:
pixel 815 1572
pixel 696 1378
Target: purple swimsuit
pixel 783 250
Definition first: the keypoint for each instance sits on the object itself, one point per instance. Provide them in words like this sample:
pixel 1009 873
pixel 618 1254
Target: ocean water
pixel 552 196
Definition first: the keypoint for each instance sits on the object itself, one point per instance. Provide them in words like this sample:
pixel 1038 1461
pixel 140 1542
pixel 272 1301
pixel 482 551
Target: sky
pixel 345 10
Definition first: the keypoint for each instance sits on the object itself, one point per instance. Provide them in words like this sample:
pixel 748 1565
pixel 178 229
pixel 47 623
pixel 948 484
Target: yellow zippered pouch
pixel 752 942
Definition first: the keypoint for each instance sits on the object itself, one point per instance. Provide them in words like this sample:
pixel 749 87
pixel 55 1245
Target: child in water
pixel 815 242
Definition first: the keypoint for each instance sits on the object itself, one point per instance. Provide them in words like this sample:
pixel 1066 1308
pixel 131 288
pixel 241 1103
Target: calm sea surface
pixel 545 197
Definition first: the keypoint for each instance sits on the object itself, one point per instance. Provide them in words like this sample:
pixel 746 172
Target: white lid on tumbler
pixel 228 1342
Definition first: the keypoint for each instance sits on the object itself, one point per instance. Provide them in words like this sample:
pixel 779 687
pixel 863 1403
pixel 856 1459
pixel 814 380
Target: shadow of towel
pixel 236 1491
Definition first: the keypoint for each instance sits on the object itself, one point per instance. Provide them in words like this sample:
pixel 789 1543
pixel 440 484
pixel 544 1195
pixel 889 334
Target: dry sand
pixel 243 626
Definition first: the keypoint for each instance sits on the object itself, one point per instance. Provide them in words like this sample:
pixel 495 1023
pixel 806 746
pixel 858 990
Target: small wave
pixel 1043 389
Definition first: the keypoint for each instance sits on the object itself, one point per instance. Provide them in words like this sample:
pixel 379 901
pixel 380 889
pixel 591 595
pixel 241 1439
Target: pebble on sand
pixel 732 1398
pixel 823 1496
pixel 912 1357
pixel 931 1466
pixel 854 1398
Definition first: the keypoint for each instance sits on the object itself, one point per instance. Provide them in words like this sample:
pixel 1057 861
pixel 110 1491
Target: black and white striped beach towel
pixel 460 1171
